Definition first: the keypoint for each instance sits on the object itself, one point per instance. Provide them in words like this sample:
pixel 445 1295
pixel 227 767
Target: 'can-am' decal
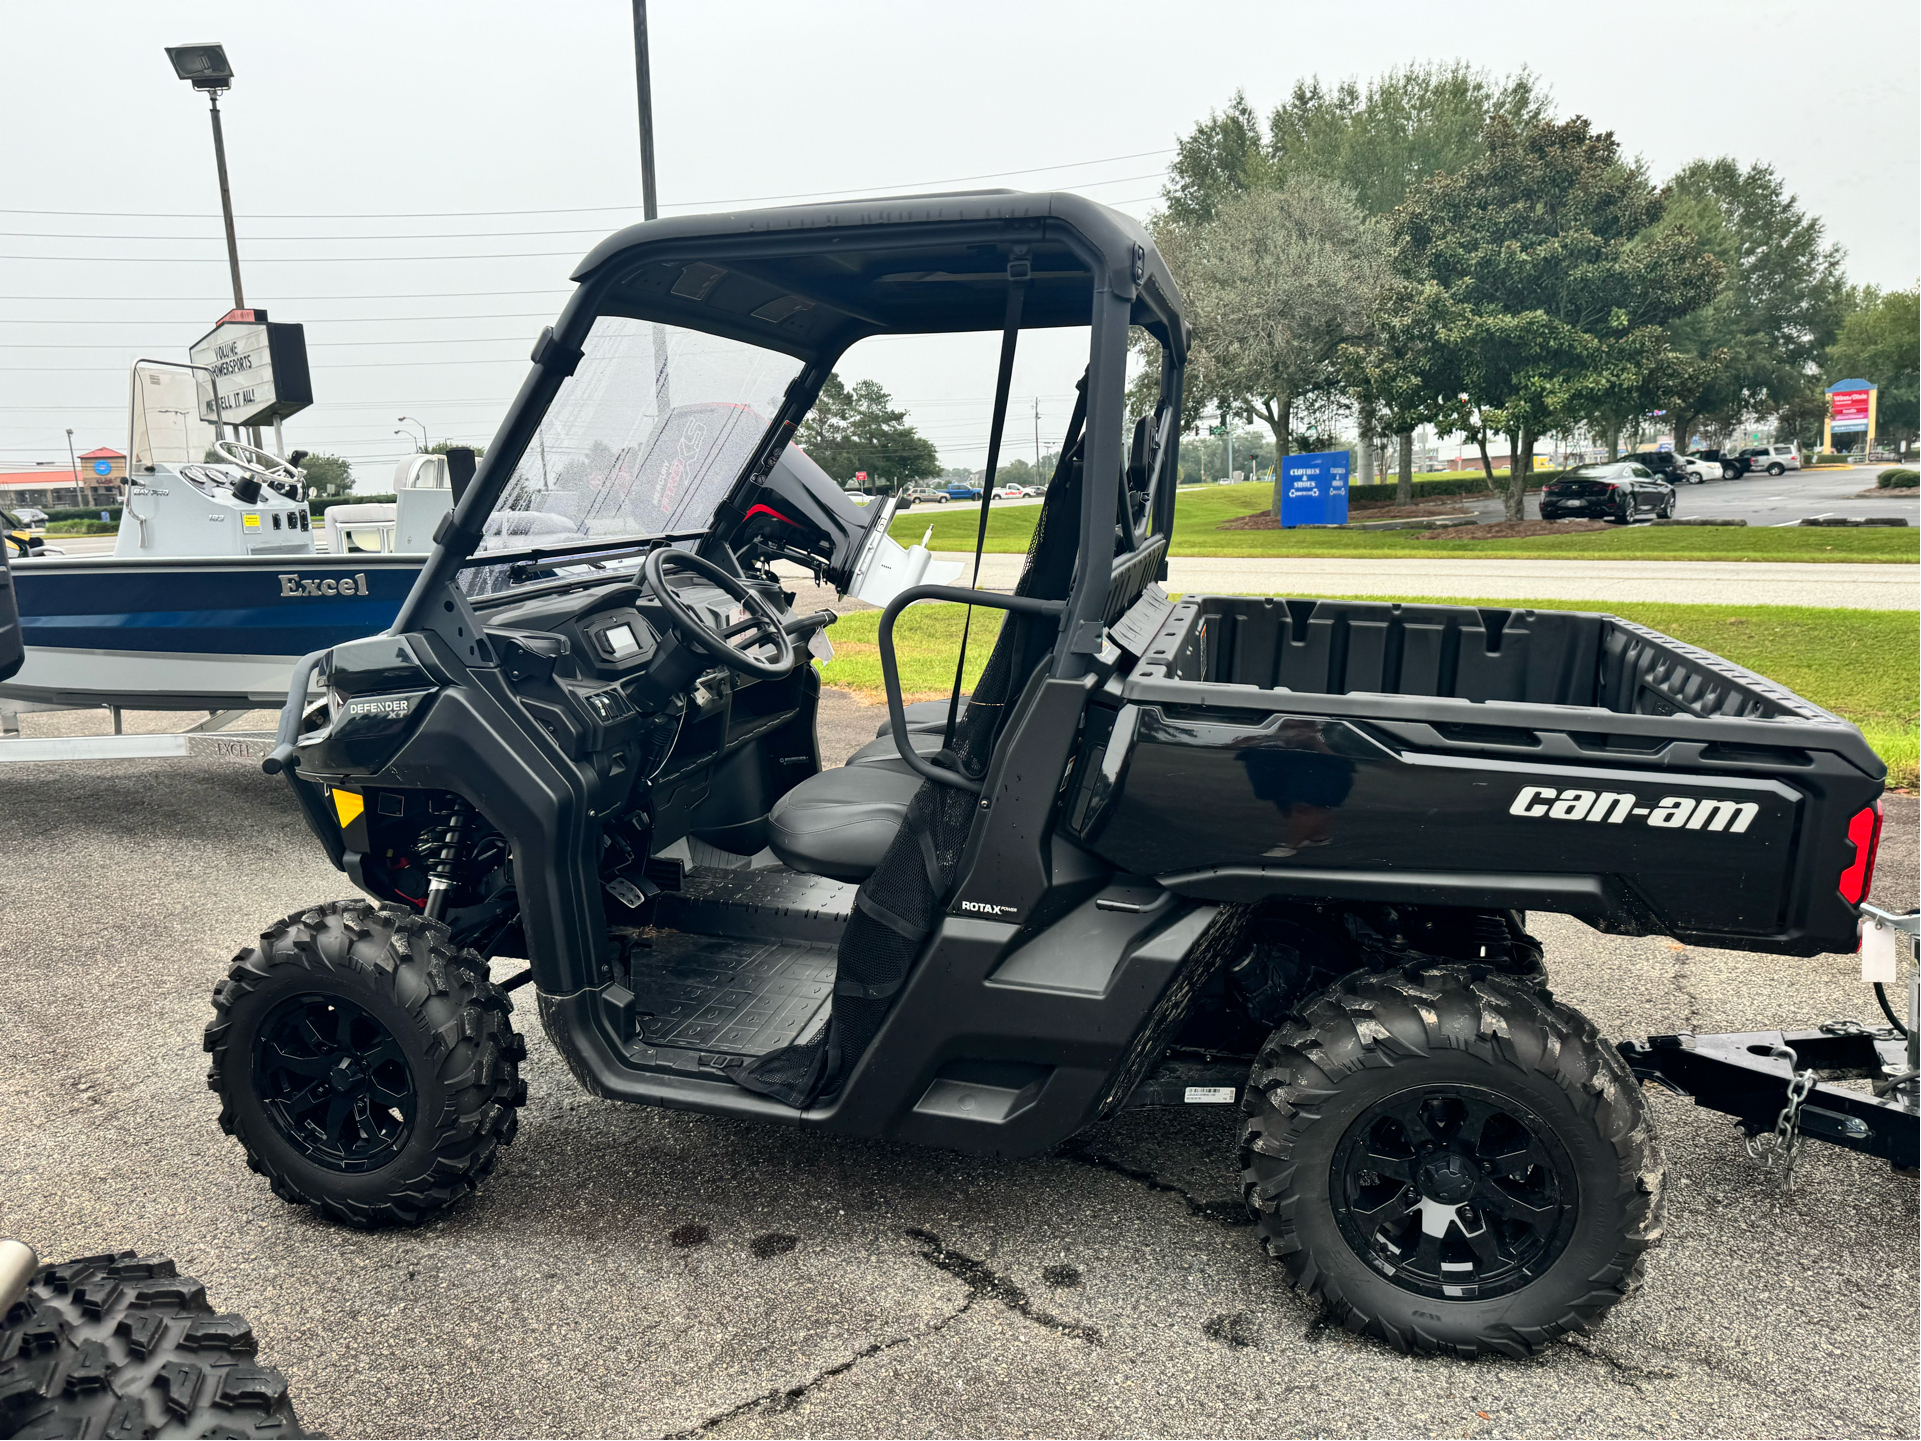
pixel 1692 813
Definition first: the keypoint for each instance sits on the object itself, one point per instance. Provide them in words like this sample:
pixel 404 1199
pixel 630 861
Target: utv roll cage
pixel 811 281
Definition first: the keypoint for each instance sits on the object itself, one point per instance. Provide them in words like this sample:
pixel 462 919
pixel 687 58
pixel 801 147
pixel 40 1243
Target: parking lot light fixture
pixel 207 68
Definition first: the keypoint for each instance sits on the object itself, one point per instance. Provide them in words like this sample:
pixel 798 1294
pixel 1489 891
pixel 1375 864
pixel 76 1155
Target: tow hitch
pixel 1778 1085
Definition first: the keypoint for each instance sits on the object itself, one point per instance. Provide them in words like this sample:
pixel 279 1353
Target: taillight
pixel 1864 833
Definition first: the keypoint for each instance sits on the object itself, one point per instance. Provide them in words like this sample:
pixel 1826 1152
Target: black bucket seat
pixel 839 823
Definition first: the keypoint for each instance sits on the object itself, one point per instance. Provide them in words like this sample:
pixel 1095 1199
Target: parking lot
pixel 1762 499
pixel 632 1271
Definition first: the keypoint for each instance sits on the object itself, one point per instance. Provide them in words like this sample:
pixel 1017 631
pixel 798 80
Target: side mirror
pixel 13 652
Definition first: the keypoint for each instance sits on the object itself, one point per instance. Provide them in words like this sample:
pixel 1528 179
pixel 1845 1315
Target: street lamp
pixel 206 66
pixel 76 467
pixel 409 420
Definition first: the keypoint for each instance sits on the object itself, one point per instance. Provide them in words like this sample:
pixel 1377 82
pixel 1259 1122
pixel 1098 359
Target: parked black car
pixel 1733 467
pixel 1664 463
pixel 1620 490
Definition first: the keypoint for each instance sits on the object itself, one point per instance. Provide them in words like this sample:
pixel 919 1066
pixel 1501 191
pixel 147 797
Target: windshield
pixel 169 423
pixel 644 439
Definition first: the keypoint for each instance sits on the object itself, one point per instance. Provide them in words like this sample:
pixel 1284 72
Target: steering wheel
pixel 263 464
pixel 763 623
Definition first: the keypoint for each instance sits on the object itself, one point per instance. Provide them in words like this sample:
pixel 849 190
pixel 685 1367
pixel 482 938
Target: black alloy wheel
pixel 1454 1192
pixel 367 1065
pixel 334 1082
pixel 1450 1160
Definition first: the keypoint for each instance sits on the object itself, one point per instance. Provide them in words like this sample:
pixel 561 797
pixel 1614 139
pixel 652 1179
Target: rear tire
pixel 1553 1161
pixel 124 1346
pixel 1777 469
pixel 369 1068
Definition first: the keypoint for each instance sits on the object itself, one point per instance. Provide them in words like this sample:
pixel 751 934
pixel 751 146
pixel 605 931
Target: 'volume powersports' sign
pixel 256 370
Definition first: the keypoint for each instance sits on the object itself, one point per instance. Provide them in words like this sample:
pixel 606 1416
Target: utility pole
pixel 1037 435
pixel 1227 429
pixel 649 198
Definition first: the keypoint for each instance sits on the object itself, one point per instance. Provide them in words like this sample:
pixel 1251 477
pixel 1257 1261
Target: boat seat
pixel 839 823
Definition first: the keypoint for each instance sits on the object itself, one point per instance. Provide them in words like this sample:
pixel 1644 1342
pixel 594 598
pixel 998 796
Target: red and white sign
pixel 1848 409
pixel 860 475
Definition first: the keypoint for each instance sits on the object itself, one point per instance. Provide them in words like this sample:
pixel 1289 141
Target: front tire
pixel 1451 1161
pixel 368 1068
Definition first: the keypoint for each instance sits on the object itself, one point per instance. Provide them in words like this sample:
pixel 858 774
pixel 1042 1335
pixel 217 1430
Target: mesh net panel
pixel 901 902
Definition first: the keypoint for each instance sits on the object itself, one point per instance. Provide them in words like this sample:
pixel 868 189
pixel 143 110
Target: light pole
pixel 72 461
pixel 649 201
pixel 206 66
pixel 409 420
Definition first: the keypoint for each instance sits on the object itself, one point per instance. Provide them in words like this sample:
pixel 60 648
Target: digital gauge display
pixel 620 641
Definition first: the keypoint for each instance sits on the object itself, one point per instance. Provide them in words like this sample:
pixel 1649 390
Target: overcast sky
pixel 358 133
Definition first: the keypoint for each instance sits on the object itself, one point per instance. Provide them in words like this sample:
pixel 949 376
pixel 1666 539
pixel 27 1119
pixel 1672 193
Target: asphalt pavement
pixel 1763 499
pixel 640 1272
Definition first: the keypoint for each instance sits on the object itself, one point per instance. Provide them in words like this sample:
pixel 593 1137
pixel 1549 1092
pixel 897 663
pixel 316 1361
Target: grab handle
pixel 890 673
pixel 282 756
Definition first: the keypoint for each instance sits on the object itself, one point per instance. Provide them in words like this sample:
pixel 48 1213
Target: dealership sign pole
pixel 1851 407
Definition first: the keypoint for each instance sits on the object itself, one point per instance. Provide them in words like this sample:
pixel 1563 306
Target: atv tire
pixel 1451 1161
pixel 123 1346
pixel 368 1067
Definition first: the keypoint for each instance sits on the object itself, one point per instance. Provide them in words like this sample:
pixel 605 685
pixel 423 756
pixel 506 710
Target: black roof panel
pixel 812 279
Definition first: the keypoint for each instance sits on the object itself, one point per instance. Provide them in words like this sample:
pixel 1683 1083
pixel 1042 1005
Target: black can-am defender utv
pixel 1261 850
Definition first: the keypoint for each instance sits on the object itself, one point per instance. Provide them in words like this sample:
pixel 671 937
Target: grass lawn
pixel 1861 664
pixel 1199 511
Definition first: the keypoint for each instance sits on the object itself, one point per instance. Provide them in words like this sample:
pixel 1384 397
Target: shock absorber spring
pixel 441 854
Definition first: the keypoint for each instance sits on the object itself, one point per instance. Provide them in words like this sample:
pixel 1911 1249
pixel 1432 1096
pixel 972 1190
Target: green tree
pixel 1881 341
pixel 441 447
pixel 1535 286
pixel 327 475
pixel 858 429
pixel 1277 281
pixel 1410 123
pixel 1381 140
pixel 1754 346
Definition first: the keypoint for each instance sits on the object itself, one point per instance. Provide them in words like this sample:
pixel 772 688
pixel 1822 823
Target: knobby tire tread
pixel 1370 1020
pixel 123 1345
pixel 462 1017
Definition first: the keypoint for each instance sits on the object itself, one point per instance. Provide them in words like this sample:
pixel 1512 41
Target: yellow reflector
pixel 348 805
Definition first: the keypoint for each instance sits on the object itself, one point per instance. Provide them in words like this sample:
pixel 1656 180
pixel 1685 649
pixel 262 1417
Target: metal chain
pixel 1776 1151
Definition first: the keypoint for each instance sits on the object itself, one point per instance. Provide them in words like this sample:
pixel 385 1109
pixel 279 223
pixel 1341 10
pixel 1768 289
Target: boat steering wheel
pixel 763 624
pixel 261 464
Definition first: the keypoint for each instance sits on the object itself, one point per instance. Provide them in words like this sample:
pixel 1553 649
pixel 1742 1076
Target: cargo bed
pixel 1453 755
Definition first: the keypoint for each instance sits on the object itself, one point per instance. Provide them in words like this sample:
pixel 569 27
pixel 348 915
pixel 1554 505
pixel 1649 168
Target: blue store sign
pixel 103 467
pixel 1314 489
